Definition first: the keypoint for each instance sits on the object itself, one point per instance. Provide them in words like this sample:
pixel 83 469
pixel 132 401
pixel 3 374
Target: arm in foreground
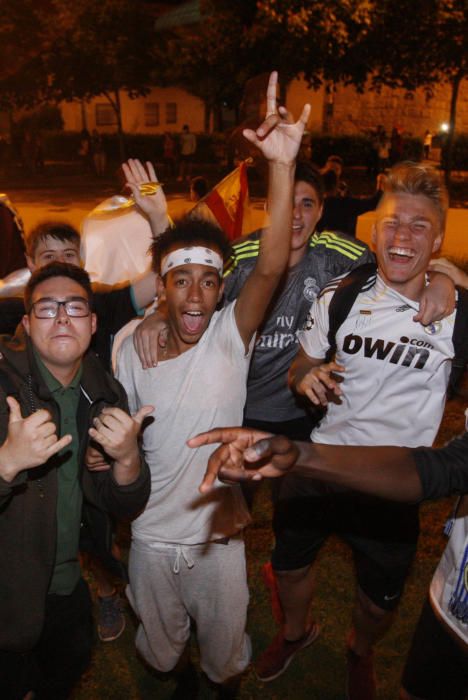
pixel 245 454
pixel 395 473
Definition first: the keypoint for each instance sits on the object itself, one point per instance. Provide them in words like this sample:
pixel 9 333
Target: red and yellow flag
pixel 228 203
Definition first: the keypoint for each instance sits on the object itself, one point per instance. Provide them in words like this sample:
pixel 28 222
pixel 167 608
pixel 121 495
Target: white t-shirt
pixel 396 370
pixel 203 388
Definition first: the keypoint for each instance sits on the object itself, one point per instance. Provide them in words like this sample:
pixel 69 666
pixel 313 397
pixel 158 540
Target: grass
pixel 318 672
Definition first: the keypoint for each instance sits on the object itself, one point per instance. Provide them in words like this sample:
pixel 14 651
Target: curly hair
pixel 186 232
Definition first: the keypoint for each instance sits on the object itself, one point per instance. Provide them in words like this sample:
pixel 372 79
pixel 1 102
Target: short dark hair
pixel 57 269
pixel 189 231
pixel 307 172
pixel 53 229
pixel 199 185
pixel 330 181
pixel 335 159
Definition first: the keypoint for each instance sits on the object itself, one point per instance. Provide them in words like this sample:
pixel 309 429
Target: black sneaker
pixel 111 620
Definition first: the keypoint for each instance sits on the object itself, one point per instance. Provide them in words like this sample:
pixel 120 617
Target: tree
pixel 429 46
pixel 370 43
pixel 237 41
pixel 22 82
pixel 98 48
pixel 209 60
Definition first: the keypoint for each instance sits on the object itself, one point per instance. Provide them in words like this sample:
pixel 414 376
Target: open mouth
pixel 193 321
pixel 401 255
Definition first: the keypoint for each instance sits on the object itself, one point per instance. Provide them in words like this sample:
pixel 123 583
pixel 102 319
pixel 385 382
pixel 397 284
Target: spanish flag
pixel 228 204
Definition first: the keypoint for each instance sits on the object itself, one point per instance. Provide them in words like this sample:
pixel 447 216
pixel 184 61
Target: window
pixel 171 113
pixel 105 115
pixel 152 114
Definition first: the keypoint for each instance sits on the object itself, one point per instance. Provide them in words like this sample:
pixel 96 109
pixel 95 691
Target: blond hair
pixel 415 178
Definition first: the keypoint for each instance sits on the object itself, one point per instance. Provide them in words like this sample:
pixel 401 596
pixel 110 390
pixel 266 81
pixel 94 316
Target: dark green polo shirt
pixel 70 497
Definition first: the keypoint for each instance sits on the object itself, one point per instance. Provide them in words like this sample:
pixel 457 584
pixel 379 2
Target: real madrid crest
pixel 311 289
pixel 433 328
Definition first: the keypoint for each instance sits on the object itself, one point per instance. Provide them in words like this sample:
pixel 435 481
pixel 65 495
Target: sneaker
pixel 111 620
pixel 360 683
pixel 276 659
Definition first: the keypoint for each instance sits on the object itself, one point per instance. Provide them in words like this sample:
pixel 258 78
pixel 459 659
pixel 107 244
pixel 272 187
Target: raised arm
pixel 154 206
pixel 279 141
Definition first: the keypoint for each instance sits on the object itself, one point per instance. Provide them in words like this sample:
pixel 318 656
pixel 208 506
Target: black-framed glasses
pixel 77 307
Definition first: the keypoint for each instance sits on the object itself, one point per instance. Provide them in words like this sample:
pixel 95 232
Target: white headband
pixel 192 254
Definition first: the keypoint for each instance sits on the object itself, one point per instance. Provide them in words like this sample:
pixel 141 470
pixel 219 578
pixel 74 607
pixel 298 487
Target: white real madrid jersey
pixel 396 374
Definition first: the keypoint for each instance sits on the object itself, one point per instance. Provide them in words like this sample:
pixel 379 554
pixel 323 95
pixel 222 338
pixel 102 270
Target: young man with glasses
pixel 55 399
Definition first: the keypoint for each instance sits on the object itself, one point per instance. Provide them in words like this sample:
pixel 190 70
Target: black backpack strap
pixel 460 341
pixel 343 300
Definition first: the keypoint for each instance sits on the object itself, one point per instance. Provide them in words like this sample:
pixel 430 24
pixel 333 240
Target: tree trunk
pixel 447 154
pixel 207 117
pixel 118 111
pixel 116 106
pixel 84 120
pixel 218 124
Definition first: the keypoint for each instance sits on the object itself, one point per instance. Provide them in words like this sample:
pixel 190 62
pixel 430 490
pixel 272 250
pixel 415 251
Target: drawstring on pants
pixel 183 552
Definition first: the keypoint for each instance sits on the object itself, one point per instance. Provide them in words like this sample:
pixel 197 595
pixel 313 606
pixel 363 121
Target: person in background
pixel 336 165
pixel 427 144
pixel 169 155
pixel 99 153
pixel 198 188
pixel 187 149
pixel 340 212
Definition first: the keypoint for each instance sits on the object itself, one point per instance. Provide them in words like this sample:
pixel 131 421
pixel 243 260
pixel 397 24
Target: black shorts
pixel 437 666
pixel 295 429
pixel 382 535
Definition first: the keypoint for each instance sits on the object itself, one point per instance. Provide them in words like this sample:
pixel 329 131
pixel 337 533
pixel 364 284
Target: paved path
pixel 38 205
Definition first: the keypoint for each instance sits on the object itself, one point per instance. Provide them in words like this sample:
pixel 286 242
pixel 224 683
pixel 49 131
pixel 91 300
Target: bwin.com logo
pixel 407 353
